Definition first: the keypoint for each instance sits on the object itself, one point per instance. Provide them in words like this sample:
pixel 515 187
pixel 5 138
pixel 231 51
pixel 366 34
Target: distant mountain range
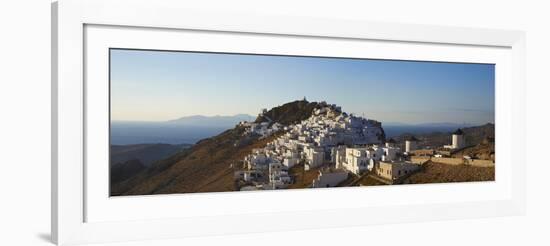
pixel 195 120
pixel 217 121
pixel 189 129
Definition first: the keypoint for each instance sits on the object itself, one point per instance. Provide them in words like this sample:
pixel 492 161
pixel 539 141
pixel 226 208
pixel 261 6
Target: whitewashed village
pixel 338 149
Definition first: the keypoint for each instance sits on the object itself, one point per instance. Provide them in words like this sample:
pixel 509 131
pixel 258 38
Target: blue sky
pixel 158 85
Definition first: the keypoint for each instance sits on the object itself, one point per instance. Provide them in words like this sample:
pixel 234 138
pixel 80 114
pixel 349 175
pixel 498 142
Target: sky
pixel 165 85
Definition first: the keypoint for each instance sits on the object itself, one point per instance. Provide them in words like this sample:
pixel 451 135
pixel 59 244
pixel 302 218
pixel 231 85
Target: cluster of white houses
pixel 330 137
pixel 263 129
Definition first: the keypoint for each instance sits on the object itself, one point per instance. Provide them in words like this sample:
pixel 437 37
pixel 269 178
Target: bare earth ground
pixel 433 172
pixel 367 180
pixel 485 151
pixel 305 179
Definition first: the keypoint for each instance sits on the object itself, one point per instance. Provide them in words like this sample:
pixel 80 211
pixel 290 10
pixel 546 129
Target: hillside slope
pixel 145 153
pixel 483 151
pixel 123 170
pixel 206 166
pixel 433 172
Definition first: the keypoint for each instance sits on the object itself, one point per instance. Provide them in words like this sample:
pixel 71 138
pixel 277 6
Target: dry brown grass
pixel 367 180
pixel 302 179
pixel 484 151
pixel 433 172
pixel 204 168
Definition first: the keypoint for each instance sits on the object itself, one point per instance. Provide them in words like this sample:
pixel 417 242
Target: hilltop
pixel 289 113
pixel 207 166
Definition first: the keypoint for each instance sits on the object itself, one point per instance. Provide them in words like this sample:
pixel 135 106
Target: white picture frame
pixel 81 213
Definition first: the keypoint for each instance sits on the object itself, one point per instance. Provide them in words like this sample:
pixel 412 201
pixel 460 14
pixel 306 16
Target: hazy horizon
pixel 385 123
pixel 155 86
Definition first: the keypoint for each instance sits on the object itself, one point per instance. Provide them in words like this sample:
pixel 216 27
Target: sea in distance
pixel 124 133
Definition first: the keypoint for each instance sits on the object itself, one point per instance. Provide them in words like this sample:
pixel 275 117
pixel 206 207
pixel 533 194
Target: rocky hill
pixel 289 113
pixel 208 165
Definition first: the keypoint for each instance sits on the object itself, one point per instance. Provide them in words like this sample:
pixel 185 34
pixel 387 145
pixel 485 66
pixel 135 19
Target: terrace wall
pixel 453 161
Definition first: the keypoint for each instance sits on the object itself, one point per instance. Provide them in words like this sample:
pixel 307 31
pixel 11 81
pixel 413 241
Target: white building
pixel 329 179
pixel 458 139
pixel 278 176
pixel 395 170
pixel 390 153
pixel 248 176
pixel 411 144
pixel 315 156
pixel 290 161
pixel 361 159
pixel 339 156
pixel 357 160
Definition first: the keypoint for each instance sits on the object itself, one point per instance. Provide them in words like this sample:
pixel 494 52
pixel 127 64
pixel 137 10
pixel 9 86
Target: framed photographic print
pixel 172 125
pixel 190 122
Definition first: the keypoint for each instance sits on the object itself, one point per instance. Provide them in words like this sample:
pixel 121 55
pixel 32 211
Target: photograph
pixel 280 123
pixel 197 122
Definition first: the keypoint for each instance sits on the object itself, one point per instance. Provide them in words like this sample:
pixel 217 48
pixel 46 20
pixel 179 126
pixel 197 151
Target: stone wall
pixel 453 161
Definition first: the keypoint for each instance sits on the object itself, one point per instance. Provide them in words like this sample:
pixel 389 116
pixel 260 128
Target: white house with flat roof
pixel 360 159
pixel 329 179
pixel 390 153
pixel 356 160
pixel 395 170
pixel 315 156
